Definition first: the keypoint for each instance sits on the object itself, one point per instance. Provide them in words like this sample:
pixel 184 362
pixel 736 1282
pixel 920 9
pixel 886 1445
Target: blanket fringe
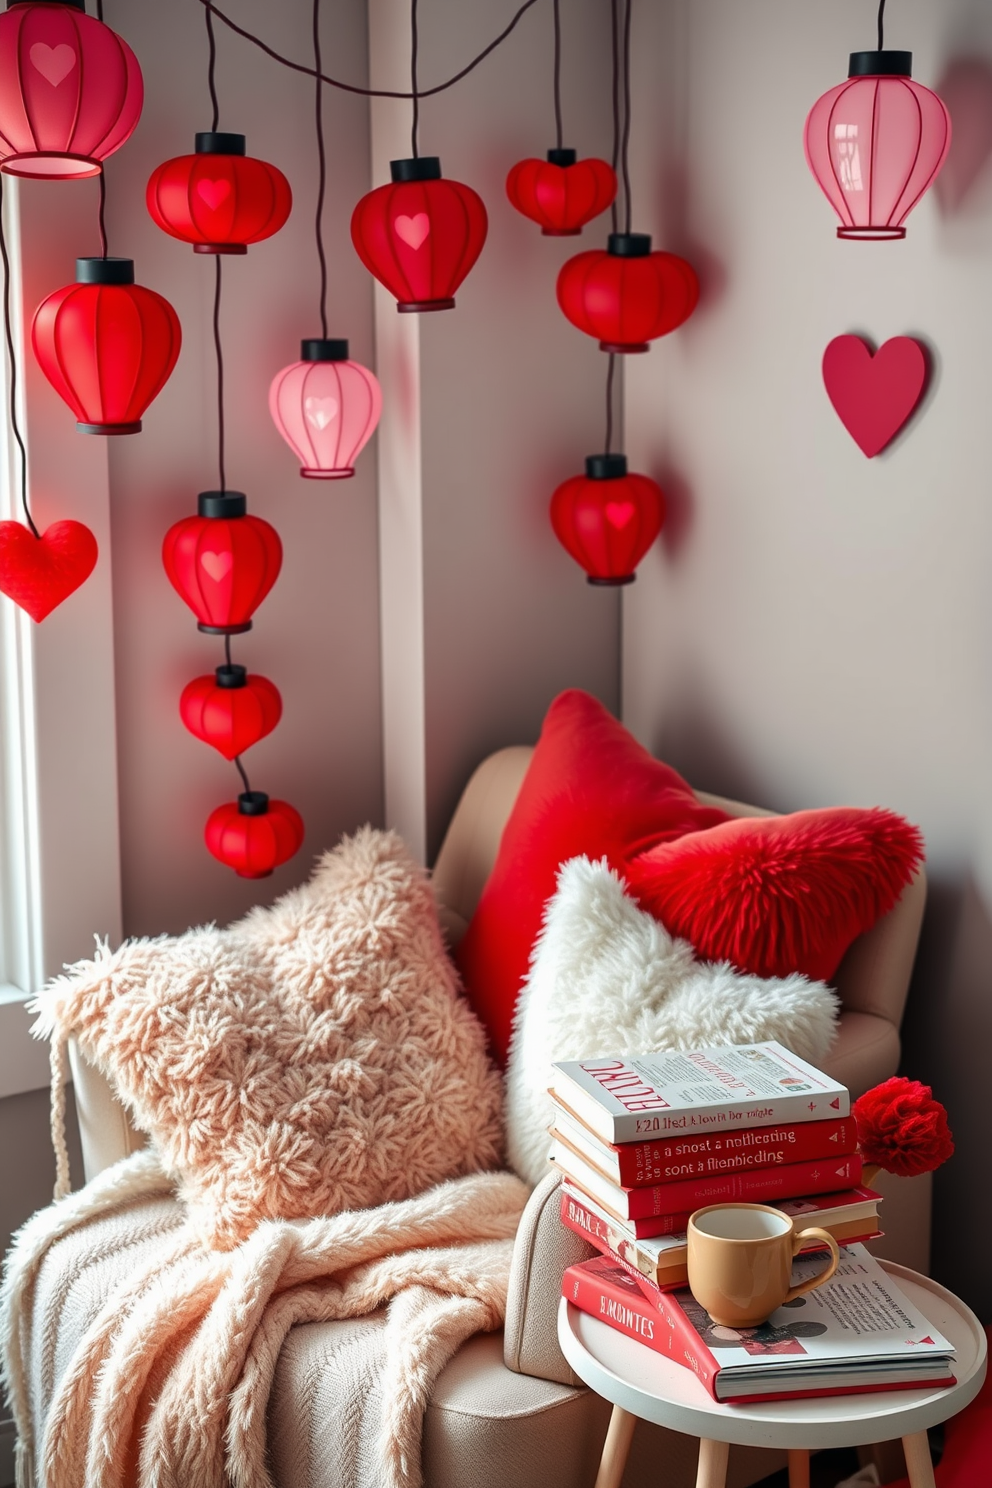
pixel 23 1465
pixel 57 1059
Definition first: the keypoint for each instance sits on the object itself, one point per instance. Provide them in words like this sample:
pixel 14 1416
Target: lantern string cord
pixel 102 214
pixel 322 169
pixel 615 158
pixel 414 50
pixel 99 10
pixel 9 333
pixel 227 649
pixel 241 772
pixel 220 378
pixel 881 25
pixel 332 82
pixel 625 143
pixel 212 67
pixel 559 132
pixel 609 405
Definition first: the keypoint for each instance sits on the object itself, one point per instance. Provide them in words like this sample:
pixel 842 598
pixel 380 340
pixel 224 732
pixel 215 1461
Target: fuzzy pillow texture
pixel 312 1058
pixel 606 978
pixel 778 894
pixel 590 789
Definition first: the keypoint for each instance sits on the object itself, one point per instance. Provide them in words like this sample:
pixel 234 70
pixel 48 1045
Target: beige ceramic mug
pixel 740 1261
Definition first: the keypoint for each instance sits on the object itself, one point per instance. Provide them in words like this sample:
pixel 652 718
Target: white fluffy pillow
pixel 606 978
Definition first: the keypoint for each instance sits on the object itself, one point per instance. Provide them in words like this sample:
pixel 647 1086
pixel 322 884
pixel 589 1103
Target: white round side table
pixel 643 1384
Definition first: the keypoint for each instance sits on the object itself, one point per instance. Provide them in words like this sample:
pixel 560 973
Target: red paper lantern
pixel 70 91
pixel 627 295
pixel 875 144
pixel 107 345
pixel 38 573
pixel 219 199
pixel 561 194
pixel 420 235
pixel 222 562
pixel 230 710
pixel 253 835
pixel 326 408
pixel 607 519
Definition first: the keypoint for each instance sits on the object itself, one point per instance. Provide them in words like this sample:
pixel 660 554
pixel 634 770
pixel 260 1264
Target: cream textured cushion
pixel 315 1057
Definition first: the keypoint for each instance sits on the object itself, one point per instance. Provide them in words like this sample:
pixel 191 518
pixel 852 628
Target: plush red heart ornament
pixel 874 394
pixel 38 573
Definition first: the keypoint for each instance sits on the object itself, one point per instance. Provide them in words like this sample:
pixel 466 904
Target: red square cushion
pixel 779 894
pixel 590 788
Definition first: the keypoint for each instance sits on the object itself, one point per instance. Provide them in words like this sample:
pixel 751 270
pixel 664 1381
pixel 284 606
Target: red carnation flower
pixel 901 1128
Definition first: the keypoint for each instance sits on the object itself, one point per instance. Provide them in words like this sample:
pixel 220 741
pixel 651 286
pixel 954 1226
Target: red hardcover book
pixel 758 1186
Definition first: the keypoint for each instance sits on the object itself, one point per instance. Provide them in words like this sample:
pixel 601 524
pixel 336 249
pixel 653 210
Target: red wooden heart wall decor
pixel 874 393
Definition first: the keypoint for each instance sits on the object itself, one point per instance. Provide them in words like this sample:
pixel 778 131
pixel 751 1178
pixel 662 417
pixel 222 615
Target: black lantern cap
pixel 629 245
pixel 881 64
pixel 318 349
pixel 221 504
pixel 253 803
pixel 424 168
pixel 211 142
pixel 231 675
pixel 104 270
pixel 561 157
pixel 606 467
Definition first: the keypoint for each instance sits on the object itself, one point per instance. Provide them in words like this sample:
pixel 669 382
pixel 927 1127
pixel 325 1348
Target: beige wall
pixel 815 627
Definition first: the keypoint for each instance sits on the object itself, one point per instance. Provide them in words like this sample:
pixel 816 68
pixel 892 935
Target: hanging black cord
pixel 615 159
pixel 881 25
pixel 8 330
pixel 102 215
pixel 414 50
pixel 322 171
pixel 257 41
pixel 625 144
pixel 559 133
pixel 609 405
pixel 220 379
pixel 241 772
pixel 227 649
pixel 212 66
pixel 99 10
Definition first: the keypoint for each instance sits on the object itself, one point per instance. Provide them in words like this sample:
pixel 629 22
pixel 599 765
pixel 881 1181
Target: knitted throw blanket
pixel 168 1386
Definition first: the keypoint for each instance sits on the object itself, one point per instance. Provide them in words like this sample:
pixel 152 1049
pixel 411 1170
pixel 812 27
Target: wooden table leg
pixel 798 1468
pixel 918 1463
pixel 615 1448
pixel 712 1469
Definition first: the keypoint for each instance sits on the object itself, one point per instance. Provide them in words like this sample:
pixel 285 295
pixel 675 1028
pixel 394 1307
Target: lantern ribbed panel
pixel 107 349
pixel 561 198
pixel 218 201
pixel 420 238
pixel 875 144
pixel 223 567
pixel 327 412
pixel 70 91
pixel 608 525
pixel 627 302
pixel 254 845
pixel 231 719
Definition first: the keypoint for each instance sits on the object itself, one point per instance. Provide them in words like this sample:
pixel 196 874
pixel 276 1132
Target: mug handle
pixel 798 1241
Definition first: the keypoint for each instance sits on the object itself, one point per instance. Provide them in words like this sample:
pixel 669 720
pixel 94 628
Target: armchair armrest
pixel 543 1250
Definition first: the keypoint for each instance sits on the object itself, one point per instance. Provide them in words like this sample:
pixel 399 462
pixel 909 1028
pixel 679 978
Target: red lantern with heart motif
pixel 219 199
pixel 253 834
pixel 70 90
pixel 561 194
pixel 607 519
pixel 626 295
pixel 107 345
pixel 231 710
pixel 420 235
pixel 38 573
pixel 222 562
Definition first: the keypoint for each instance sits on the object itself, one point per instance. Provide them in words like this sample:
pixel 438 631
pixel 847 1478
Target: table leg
pixel 798 1468
pixel 918 1463
pixel 615 1448
pixel 712 1469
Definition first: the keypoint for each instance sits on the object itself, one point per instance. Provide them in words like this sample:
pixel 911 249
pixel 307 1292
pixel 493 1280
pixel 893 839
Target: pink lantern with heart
pixel 70 90
pixel 326 407
pixel 219 199
pixel 607 519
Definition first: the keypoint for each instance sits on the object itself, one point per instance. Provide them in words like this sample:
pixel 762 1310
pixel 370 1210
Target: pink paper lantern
pixel 326 407
pixel 875 144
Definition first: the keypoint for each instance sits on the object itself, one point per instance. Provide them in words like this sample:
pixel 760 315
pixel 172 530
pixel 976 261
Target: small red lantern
pixel 420 235
pixel 70 90
pixel 607 519
pixel 230 710
pixel 876 143
pixel 222 562
pixel 561 194
pixel 627 295
pixel 253 835
pixel 219 199
pixel 326 408
pixel 107 345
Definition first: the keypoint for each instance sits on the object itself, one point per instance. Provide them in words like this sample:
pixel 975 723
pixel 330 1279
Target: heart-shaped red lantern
pixel 38 573
pixel 627 296
pixel 561 194
pixel 70 91
pixel 253 835
pixel 107 345
pixel 222 562
pixel 219 199
pixel 230 710
pixel 607 519
pixel 420 235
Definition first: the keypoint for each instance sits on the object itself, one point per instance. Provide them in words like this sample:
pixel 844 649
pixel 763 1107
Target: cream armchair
pixel 507 1409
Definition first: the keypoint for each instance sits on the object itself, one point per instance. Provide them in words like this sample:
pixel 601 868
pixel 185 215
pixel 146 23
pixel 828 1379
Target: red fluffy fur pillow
pixel 778 894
